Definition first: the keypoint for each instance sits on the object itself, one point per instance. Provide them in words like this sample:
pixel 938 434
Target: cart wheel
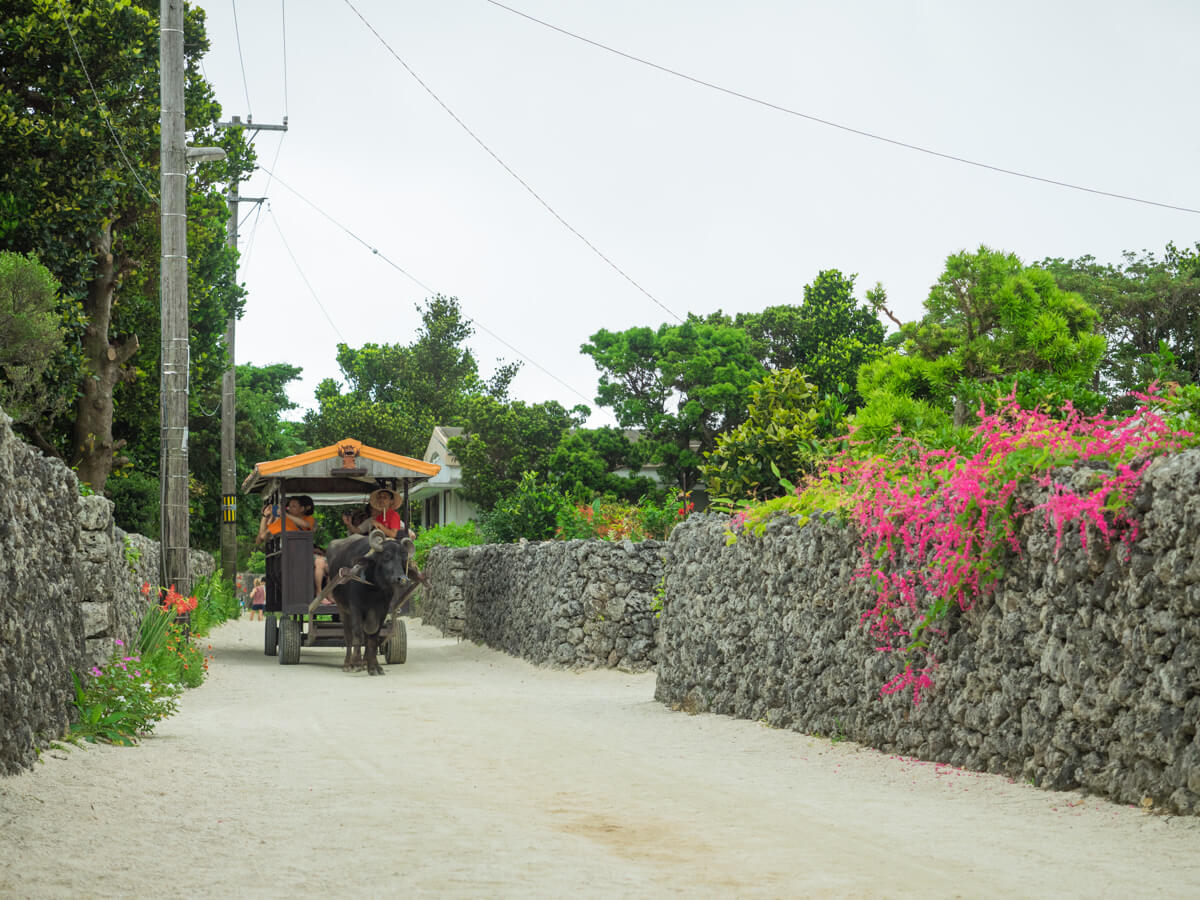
pixel 397 644
pixel 289 640
pixel 272 636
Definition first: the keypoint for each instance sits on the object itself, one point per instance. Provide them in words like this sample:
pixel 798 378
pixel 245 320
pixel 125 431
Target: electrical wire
pixel 238 35
pixel 474 321
pixel 303 277
pixel 245 257
pixel 508 169
pixel 847 128
pixel 105 115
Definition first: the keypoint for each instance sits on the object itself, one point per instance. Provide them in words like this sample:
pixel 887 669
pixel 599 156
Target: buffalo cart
pixel 341 474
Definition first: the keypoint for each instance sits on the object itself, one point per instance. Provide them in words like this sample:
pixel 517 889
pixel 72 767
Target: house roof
pixel 355 466
pixel 439 441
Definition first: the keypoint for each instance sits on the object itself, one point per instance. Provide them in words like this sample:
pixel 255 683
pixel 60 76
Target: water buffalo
pixel 371 582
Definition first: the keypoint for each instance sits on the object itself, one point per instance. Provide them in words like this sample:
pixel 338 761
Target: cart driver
pixel 385 518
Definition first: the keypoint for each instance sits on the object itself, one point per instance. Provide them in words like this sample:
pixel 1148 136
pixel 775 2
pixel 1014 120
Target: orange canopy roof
pixel 350 458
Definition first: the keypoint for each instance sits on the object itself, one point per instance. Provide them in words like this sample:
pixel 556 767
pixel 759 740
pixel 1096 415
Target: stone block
pixel 97 618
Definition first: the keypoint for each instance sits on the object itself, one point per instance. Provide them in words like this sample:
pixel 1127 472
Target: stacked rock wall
pixel 41 618
pixel 1083 669
pixel 569 603
pixel 69 590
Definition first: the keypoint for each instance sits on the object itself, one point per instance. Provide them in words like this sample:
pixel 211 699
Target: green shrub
pixel 257 563
pixel 216 602
pixel 531 512
pixel 121 701
pixel 618 520
pixel 135 501
pixel 463 534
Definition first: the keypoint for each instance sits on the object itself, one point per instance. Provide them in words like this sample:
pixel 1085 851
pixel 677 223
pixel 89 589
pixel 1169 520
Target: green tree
pixel 396 394
pixel 529 511
pixel 990 323
pixel 1143 302
pixel 586 461
pixel 682 386
pixel 33 333
pixel 504 440
pixel 78 179
pixel 780 439
pixel 827 337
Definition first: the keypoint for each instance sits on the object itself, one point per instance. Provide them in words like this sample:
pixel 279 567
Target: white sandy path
pixel 467 773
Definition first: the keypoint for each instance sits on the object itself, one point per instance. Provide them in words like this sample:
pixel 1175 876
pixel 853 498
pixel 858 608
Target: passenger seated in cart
pixel 384 518
pixel 320 571
pixel 299 518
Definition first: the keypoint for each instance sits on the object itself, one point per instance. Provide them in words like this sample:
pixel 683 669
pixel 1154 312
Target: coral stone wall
pixel 41 620
pixel 570 603
pixel 1083 670
pixel 69 584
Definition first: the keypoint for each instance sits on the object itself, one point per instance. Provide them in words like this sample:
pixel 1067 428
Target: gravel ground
pixel 467 773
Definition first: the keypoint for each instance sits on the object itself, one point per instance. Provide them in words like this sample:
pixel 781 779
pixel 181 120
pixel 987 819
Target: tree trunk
pixel 93 448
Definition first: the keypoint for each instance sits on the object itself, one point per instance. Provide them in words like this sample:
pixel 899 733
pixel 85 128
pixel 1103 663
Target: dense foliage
pixel 33 332
pixel 504 441
pixel 937 524
pixel 827 338
pixel 1149 312
pixel 395 394
pixel 787 430
pixel 990 322
pixel 78 188
pixel 122 700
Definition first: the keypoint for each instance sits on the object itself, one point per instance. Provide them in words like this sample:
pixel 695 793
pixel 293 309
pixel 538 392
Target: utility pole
pixel 229 381
pixel 174 536
pixel 173 457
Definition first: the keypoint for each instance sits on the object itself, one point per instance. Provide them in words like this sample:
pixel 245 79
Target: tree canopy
pixel 78 184
pixel 681 385
pixel 779 440
pixel 395 394
pixel 990 322
pixel 33 333
pixel 1148 307
pixel 506 439
pixel 827 337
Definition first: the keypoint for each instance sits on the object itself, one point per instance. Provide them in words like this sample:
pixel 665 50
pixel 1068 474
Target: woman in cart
pixel 383 517
pixel 299 516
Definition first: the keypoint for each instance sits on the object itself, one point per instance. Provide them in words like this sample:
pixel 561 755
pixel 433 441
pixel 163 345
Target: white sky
pixel 707 201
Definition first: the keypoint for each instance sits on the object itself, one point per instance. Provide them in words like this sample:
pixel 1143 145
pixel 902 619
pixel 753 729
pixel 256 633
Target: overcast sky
pixel 704 200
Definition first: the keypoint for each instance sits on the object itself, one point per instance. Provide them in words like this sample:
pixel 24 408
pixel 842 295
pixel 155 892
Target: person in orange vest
pixel 298 516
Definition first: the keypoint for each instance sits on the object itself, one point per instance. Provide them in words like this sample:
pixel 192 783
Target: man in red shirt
pixel 385 518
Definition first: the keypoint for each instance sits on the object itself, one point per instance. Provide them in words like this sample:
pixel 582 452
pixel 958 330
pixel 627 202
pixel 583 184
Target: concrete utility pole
pixel 173 458
pixel 229 380
pixel 174 536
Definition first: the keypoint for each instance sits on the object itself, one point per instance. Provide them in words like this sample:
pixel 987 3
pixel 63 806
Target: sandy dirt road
pixel 467 773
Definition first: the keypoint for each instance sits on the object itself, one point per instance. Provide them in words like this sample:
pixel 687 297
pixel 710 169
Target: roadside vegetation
pixel 123 700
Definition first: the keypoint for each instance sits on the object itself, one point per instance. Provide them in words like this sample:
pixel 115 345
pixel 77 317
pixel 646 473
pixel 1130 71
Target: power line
pixel 304 277
pixel 338 224
pixel 238 35
pixel 423 286
pixel 847 128
pixel 508 169
pixel 245 257
pixel 105 115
